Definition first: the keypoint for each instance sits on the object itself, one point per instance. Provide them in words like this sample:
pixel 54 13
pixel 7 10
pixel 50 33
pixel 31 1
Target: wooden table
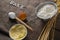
pixel 36 23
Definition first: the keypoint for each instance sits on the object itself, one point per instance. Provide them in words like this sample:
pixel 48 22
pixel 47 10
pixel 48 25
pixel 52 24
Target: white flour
pixel 47 11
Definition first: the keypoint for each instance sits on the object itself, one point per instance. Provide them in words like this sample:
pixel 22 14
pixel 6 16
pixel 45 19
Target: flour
pixel 21 6
pixel 47 11
pixel 12 15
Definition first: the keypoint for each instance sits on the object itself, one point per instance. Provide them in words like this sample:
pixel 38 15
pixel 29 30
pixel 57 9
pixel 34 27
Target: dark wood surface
pixel 36 23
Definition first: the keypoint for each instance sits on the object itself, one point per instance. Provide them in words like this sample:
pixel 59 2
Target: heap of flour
pixel 47 11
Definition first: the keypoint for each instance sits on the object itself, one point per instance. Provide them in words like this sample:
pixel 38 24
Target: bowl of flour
pixel 46 10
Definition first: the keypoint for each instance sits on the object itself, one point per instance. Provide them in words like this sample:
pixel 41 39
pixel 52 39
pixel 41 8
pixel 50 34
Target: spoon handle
pixel 24 23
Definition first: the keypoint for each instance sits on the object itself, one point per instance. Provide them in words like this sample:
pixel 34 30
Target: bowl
pixel 46 10
pixel 18 32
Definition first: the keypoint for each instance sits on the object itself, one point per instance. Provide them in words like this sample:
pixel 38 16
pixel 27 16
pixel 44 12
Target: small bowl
pixel 42 5
pixel 18 32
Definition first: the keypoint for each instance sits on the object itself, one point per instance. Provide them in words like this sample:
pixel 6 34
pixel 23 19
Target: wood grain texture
pixel 36 23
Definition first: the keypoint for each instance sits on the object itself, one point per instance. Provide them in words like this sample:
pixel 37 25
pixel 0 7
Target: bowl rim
pixel 43 4
pixel 14 26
